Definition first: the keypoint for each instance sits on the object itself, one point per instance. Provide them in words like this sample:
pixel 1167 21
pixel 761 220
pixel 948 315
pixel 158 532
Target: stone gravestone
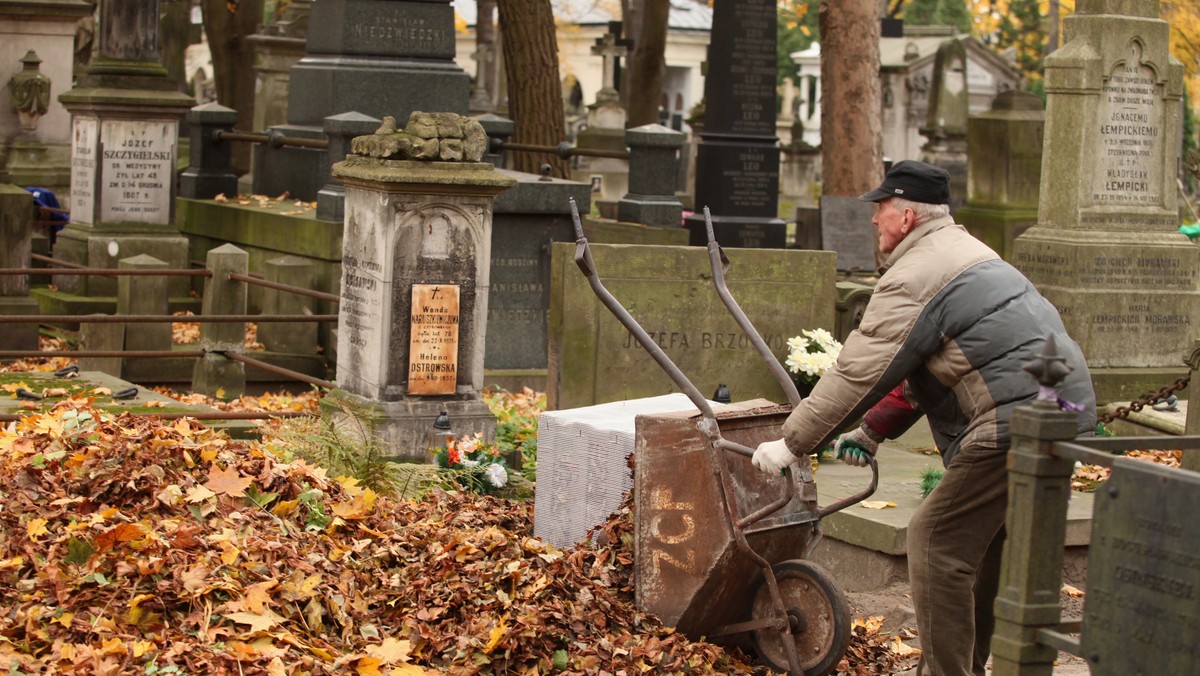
pixel 16 218
pixel 946 122
pixel 527 219
pixel 415 270
pixel 846 228
pixel 737 157
pixel 605 131
pixel 1143 612
pixel 125 115
pixel 1106 250
pixel 375 57
pixel 669 291
pixel 1004 168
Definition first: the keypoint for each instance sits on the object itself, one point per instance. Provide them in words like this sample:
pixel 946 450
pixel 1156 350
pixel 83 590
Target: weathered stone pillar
pixel 209 172
pixel 653 164
pixel 300 338
pixel 415 273
pixel 144 295
pixel 16 223
pixel 1004 167
pixel 1039 489
pixel 340 130
pixel 214 374
pixel 102 337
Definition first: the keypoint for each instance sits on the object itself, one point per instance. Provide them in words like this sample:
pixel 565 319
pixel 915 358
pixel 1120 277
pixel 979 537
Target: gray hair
pixel 922 211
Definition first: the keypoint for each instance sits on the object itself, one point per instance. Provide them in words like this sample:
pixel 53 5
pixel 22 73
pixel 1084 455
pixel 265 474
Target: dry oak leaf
pixel 257 621
pixel 228 481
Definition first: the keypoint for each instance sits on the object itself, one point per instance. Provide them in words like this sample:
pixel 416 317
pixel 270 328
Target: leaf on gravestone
pixel 877 504
pixel 228 481
pixel 256 621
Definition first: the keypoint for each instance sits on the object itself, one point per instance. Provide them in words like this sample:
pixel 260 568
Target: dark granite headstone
pixel 527 219
pixel 737 157
pixel 1143 612
pixel 375 57
pixel 846 228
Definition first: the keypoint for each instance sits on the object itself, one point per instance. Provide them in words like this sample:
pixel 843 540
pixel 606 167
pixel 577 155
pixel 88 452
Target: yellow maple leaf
pixel 367 666
pixel 285 507
pixel 142 647
pixel 358 508
pixel 228 481
pixel 65 619
pixel 257 596
pixel 36 527
pixel 229 553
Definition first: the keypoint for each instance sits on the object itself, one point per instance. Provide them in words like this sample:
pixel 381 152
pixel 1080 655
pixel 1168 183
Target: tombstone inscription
pixel 737 157
pixel 433 341
pixel 1144 573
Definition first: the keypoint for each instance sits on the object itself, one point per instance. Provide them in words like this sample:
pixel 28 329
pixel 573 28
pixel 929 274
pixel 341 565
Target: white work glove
pixel 772 456
pixel 856 446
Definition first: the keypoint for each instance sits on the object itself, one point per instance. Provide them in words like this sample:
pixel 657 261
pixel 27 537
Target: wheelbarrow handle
pixel 858 497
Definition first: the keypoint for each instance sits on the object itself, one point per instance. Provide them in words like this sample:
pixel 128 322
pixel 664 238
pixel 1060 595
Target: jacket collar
pixel 913 237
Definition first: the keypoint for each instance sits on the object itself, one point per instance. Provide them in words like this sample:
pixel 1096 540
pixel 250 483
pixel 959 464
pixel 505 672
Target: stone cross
pixel 480 99
pixel 610 48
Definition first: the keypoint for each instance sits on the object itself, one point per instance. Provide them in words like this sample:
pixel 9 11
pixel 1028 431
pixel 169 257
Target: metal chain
pixel 1148 399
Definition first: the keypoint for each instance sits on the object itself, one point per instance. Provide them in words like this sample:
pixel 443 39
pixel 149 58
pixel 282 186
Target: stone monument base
pixel 1123 385
pixel 102 247
pixel 18 336
pixel 403 427
pixel 1127 298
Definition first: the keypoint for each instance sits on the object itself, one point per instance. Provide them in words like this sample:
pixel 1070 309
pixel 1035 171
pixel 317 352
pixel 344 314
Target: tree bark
pixel 233 63
pixel 534 92
pixel 648 66
pixel 851 124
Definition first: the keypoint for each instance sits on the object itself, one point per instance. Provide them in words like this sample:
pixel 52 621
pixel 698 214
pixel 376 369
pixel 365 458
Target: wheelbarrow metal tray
pixel 688 569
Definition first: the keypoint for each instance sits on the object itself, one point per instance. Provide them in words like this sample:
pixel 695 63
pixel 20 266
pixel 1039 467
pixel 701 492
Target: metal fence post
pixel 294 338
pixel 214 375
pixel 653 165
pixel 1039 488
pixel 209 172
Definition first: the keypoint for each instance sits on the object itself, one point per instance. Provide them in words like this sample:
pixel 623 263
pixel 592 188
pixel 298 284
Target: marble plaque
pixel 1129 170
pixel 433 339
pixel 84 139
pixel 137 170
pixel 1143 609
pixel 365 312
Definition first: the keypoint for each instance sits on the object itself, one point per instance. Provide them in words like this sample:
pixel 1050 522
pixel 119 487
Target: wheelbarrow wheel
pixel 818 613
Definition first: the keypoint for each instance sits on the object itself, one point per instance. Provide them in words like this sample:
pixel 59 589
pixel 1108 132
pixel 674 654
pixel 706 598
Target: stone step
pixel 865 549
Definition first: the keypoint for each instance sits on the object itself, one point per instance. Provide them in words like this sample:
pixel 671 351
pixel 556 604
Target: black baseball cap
pixel 914 181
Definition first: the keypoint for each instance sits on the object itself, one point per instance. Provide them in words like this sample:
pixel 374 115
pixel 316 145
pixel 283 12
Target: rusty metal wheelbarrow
pixel 721 549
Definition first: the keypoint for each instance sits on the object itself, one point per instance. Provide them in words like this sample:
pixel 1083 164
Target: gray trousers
pixel 955 541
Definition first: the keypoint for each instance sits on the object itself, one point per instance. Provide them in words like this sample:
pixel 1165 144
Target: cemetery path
pixel 894 604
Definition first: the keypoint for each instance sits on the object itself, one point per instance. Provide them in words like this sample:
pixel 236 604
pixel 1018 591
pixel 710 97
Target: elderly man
pixel 945 335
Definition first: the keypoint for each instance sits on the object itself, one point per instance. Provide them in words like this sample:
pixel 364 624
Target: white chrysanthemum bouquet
pixel 811 353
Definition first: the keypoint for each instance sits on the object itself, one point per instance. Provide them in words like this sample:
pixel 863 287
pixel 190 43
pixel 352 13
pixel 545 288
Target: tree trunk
pixel 174 25
pixel 851 125
pixel 648 67
pixel 534 93
pixel 233 63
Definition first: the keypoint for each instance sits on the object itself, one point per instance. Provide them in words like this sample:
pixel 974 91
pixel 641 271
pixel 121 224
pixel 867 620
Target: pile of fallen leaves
pixel 127 543
pixel 299 207
pixel 1087 477
pixel 304 402
pixel 47 364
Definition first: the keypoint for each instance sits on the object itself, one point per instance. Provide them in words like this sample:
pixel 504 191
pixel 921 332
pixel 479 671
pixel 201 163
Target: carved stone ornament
pixel 431 137
pixel 30 91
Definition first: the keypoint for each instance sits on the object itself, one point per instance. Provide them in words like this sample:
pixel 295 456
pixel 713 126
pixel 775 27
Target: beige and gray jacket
pixel 957 322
